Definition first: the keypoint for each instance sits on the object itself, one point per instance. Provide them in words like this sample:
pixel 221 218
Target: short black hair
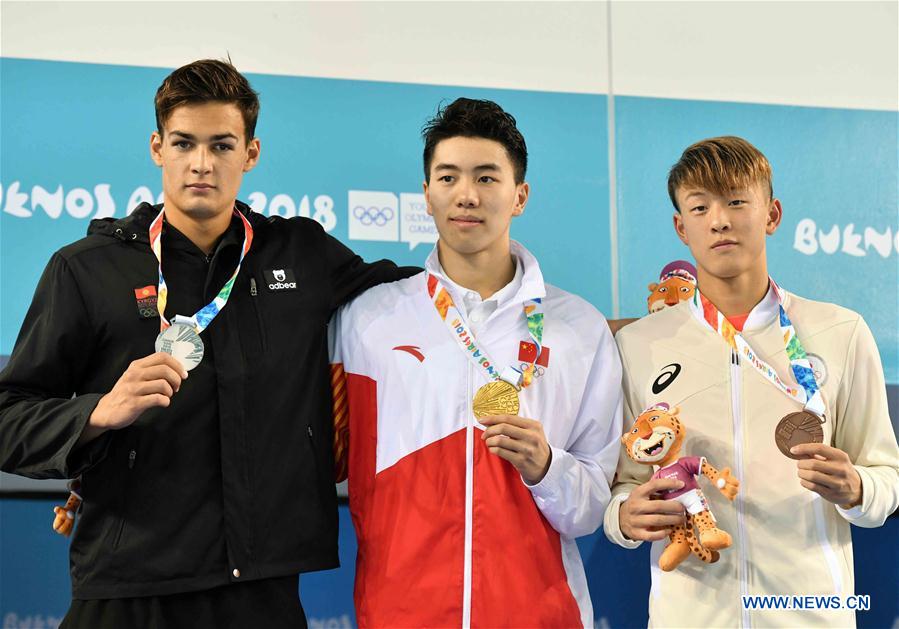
pixel 470 118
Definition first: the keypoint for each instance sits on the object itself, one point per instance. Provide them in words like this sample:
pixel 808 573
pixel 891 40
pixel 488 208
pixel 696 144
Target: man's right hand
pixel 646 518
pixel 148 382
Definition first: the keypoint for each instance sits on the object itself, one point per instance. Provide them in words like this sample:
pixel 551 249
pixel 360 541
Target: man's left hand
pixel 829 473
pixel 521 442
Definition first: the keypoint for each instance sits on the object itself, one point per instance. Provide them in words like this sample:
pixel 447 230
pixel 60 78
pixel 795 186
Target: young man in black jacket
pixel 206 468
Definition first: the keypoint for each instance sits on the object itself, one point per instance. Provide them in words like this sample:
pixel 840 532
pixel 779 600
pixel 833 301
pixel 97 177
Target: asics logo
pixel 668 375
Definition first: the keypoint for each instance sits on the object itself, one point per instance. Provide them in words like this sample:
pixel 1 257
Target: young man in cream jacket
pixel 721 357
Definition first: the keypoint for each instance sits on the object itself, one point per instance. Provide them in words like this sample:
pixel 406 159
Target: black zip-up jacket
pixel 234 480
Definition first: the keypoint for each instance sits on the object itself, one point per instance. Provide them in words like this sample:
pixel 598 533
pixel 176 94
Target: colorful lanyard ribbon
pixel 201 320
pixel 533 312
pixel 809 395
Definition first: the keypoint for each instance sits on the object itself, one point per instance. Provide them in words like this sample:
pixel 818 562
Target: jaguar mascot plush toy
pixel 64 521
pixel 677 282
pixel 656 439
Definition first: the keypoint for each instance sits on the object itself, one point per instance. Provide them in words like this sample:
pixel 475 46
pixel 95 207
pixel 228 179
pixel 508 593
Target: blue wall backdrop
pixel 75 147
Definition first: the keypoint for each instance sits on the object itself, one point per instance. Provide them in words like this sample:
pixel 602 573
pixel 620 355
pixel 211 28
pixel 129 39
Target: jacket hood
pixel 136 226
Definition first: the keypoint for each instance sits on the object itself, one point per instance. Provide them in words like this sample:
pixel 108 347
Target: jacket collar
pixel 761 315
pixel 532 285
pixel 764 312
pixel 136 226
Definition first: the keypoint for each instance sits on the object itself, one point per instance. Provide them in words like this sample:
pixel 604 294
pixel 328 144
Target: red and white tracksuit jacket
pixel 449 534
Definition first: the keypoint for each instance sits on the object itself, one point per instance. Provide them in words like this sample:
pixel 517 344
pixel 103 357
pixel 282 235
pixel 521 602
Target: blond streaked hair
pixel 720 165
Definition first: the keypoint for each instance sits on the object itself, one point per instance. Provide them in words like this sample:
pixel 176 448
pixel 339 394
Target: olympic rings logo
pixel 373 215
pixel 538 370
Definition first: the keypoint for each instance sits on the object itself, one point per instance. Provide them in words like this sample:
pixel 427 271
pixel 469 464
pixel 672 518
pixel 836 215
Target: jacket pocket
pixel 316 463
pixel 257 310
pixel 124 502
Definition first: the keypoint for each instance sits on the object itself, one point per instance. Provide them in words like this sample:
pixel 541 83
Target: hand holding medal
pixel 148 382
pixel 828 472
pixel 521 442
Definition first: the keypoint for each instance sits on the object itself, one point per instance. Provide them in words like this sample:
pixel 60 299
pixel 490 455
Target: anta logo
pixel 414 350
pixel 280 279
pixel 668 375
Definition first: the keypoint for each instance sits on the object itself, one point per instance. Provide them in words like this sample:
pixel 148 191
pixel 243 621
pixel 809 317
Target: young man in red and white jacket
pixel 484 409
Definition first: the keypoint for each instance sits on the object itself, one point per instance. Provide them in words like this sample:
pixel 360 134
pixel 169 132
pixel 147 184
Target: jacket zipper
pixel 469 499
pixel 254 293
pixel 132 456
pixel 736 384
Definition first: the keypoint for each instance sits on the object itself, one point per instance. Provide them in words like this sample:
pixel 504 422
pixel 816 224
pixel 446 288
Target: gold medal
pixel 495 398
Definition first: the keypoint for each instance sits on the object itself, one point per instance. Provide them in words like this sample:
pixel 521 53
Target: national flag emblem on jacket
pixel 528 351
pixel 146 301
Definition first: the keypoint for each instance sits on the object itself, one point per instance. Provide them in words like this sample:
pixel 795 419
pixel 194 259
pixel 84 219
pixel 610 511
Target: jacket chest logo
pixel 413 350
pixel 146 302
pixel 280 279
pixel 669 374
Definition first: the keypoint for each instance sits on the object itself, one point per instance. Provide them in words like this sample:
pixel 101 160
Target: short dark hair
pixel 720 165
pixel 206 81
pixel 470 118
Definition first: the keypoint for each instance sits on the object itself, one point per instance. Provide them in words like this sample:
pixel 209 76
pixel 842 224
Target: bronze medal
pixel 797 428
pixel 495 398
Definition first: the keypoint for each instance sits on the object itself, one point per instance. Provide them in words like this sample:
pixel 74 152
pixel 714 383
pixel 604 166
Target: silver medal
pixel 182 342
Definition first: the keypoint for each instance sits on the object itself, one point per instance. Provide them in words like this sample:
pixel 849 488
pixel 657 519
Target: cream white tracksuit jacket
pixel 787 540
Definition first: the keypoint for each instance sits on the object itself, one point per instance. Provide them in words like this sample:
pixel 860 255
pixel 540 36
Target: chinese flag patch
pixel 528 351
pixel 146 301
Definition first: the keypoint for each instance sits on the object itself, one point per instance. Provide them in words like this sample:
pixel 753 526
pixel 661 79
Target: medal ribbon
pixel 455 322
pixel 809 393
pixel 201 320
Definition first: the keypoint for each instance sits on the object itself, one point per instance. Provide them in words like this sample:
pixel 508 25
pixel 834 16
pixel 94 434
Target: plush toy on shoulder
pixel 677 283
pixel 656 439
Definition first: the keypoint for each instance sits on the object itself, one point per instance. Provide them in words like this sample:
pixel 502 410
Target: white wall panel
pixel 545 46
pixel 826 54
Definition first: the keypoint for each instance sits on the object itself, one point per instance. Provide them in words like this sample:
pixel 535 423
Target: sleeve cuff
pixel 857 513
pixel 79 460
pixel 610 523
pixel 548 486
